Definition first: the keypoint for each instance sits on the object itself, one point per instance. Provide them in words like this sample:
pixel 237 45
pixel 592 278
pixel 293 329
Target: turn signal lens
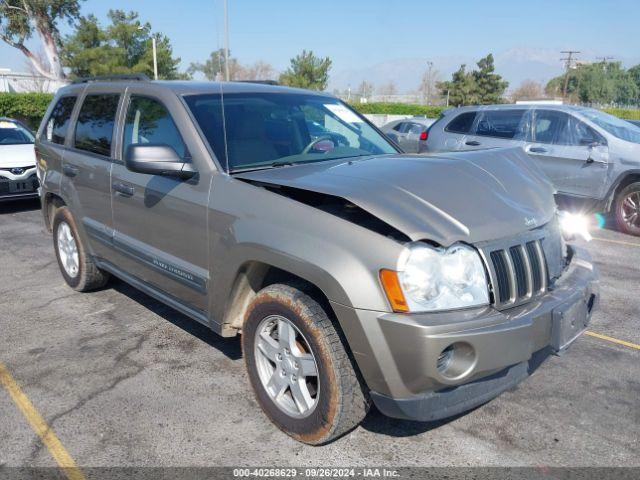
pixel 392 288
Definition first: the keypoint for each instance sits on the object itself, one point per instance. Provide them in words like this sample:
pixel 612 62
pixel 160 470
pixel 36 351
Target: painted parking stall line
pixel 617 341
pixel 40 426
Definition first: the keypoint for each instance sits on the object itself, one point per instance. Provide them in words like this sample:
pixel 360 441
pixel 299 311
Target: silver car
pixel 590 156
pixel 409 133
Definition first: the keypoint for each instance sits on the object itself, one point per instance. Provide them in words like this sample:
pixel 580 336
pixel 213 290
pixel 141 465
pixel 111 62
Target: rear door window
pixel 462 123
pixel 507 124
pixel 560 128
pixel 94 128
pixel 148 121
pixel 58 123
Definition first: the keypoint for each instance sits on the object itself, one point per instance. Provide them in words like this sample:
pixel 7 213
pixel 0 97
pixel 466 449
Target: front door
pixel 573 155
pixel 161 221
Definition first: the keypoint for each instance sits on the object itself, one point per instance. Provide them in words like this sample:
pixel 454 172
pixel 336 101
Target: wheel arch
pixel 50 203
pixel 625 179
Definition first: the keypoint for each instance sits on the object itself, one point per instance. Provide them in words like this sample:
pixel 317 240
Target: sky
pixel 359 35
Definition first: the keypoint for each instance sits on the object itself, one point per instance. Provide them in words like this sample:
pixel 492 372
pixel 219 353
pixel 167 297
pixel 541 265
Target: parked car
pixel 353 273
pixel 18 179
pixel 410 134
pixel 590 156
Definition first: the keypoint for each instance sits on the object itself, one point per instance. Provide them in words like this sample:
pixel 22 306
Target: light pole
pixel 155 58
pixel 155 54
pixel 430 64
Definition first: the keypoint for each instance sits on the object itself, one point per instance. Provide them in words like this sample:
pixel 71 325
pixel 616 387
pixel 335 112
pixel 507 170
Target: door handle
pixel 123 189
pixel 591 160
pixel 537 150
pixel 472 143
pixel 70 170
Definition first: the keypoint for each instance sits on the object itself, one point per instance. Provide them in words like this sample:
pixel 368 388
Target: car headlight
pixel 433 278
pixel 574 225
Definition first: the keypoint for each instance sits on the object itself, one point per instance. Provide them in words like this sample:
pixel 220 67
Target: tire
pixel 340 402
pixel 86 275
pixel 627 204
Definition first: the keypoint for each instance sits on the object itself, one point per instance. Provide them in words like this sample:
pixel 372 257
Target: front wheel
pixel 299 369
pixel 627 209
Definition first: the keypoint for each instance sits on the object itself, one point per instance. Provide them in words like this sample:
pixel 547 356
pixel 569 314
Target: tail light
pixel 424 135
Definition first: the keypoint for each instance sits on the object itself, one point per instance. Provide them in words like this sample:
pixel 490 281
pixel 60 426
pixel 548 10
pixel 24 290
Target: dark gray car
pixel 592 158
pixel 353 273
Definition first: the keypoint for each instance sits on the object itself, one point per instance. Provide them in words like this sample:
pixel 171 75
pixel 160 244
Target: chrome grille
pixel 518 273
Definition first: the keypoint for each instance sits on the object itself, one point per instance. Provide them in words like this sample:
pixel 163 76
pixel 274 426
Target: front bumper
pixel 494 350
pixel 16 187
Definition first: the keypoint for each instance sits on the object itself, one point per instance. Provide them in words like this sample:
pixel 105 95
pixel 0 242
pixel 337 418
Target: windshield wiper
pixel 261 167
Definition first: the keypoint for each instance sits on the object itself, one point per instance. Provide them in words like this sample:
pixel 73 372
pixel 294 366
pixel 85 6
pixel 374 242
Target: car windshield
pixel 615 126
pixel 12 133
pixel 265 130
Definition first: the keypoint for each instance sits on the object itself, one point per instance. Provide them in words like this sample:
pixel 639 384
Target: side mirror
pixel 157 159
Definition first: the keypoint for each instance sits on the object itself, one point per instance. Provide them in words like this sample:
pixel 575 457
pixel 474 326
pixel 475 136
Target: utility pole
pixel 226 41
pixel 568 64
pixel 430 66
pixel 604 60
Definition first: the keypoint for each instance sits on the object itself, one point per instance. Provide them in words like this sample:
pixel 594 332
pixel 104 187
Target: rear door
pixel 497 128
pixel 161 221
pixel 571 153
pixel 87 164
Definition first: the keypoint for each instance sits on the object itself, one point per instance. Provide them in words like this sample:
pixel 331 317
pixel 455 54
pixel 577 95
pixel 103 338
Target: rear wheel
pixel 627 209
pixel 299 369
pixel 77 268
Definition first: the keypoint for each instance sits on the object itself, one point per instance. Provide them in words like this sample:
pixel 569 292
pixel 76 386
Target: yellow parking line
pixel 612 340
pixel 619 242
pixel 38 424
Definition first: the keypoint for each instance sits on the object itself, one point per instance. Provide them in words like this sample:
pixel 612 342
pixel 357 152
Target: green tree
pixel 490 86
pixel 461 89
pixel 601 83
pixel 482 86
pixel 20 19
pixel 124 46
pixel 307 71
pixel 214 67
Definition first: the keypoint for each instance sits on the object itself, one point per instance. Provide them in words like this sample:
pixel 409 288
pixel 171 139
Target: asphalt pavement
pixel 124 380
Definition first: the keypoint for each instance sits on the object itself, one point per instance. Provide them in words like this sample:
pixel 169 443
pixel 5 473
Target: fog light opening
pixel 456 361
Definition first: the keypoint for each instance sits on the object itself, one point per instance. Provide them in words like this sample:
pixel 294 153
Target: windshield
pixel 264 130
pixel 615 126
pixel 12 133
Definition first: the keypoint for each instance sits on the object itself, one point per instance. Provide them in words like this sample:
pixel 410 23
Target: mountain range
pixel 515 65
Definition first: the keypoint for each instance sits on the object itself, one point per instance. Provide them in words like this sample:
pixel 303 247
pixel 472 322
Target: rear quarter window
pixel 58 122
pixel 462 123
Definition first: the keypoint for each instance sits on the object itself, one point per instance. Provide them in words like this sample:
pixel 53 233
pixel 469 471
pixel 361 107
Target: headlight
pixel 574 225
pixel 441 279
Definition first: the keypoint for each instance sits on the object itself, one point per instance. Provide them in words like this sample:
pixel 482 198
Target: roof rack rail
pixel 138 77
pixel 263 82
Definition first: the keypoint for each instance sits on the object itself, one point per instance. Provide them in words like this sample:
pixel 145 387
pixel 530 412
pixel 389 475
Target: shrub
pixel 435 111
pixel 399 109
pixel 626 113
pixel 26 107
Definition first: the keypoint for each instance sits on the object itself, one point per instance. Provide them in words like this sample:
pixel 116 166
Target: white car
pixel 18 178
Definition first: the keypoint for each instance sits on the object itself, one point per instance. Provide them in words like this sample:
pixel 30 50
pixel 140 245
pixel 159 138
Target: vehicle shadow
pixel 376 422
pixel 18 206
pixel 228 346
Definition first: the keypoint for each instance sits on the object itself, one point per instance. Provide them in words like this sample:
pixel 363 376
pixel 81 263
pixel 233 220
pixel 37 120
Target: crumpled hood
pixel 462 196
pixel 17 156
